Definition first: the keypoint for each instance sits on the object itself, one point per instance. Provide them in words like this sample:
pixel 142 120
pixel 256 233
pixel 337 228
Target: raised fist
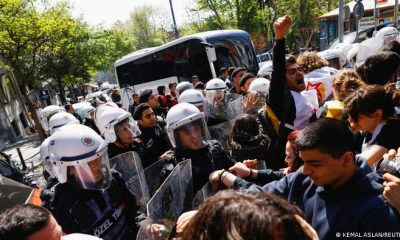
pixel 281 26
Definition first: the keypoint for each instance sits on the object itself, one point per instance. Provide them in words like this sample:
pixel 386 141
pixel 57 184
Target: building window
pixel 23 120
pixel 15 127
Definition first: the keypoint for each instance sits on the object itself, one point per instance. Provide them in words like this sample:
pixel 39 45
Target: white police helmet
pixel 386 35
pixel 78 154
pixel 260 85
pixel 352 53
pixel 194 97
pixel 215 91
pixel 186 127
pixel 257 94
pixel 46 114
pixel 87 112
pixel 332 55
pixel 181 87
pixel 265 70
pixel 108 119
pixel 60 119
pixel 44 157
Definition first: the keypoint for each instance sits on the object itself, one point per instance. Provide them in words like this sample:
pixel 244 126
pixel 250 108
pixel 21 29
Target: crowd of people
pixel 301 159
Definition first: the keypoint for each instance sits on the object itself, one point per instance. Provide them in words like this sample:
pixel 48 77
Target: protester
pixel 247 141
pixel 345 82
pixel 286 109
pixel 371 110
pixel 381 68
pixel 310 61
pixel 237 215
pixel 392 183
pixel 263 176
pixel 29 222
pixel 335 194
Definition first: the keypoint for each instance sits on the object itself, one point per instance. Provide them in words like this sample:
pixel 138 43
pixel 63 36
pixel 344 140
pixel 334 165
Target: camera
pixel 390 166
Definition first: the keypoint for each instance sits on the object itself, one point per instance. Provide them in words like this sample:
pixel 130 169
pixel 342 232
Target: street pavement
pixel 29 147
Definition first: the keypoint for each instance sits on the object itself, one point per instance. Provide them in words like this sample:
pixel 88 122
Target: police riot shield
pixel 13 193
pixel 205 192
pixel 155 174
pixel 172 198
pixel 130 167
pixel 209 189
pixel 221 132
pixel 224 108
pixel 235 105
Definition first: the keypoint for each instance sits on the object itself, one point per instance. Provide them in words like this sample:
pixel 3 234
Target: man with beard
pixel 286 109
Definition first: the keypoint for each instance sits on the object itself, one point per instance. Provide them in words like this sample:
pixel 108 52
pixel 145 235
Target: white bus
pixel 201 54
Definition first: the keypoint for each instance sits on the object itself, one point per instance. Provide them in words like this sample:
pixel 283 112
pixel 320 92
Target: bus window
pixel 180 60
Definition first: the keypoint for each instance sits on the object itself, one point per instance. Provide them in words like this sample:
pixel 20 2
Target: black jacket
pixel 90 123
pixel 155 143
pixel 204 161
pixel 109 214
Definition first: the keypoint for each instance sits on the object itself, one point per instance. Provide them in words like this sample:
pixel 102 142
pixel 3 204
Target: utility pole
pixel 173 18
pixel 396 9
pixel 340 21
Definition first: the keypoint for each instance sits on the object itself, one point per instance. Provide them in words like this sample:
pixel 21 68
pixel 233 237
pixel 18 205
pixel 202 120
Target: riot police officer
pixel 90 198
pixel 188 134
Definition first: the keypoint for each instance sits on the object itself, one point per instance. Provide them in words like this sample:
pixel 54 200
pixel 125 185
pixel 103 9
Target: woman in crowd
pixel 371 111
pixel 232 215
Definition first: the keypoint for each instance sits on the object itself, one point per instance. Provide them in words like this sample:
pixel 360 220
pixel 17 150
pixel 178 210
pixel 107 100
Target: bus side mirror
pixel 210 50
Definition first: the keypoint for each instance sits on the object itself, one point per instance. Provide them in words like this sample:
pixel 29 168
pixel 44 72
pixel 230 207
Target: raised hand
pixel 281 26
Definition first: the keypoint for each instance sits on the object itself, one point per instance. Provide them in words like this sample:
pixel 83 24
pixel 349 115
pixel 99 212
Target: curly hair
pixel 310 61
pixel 345 82
pixel 230 215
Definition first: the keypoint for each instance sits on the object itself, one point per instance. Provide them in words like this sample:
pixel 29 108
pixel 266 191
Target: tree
pixel 31 34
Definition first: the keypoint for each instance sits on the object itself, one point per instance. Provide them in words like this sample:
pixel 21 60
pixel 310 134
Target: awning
pixel 369 5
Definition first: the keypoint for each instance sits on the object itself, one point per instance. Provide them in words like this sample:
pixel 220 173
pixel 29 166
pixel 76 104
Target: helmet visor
pixel 254 100
pixel 127 126
pixel 192 135
pixel 92 174
pixel 215 97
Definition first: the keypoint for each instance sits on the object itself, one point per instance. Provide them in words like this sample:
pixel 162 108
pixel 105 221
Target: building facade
pixel 14 122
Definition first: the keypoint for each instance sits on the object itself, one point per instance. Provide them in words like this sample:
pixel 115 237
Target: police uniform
pixel 109 214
